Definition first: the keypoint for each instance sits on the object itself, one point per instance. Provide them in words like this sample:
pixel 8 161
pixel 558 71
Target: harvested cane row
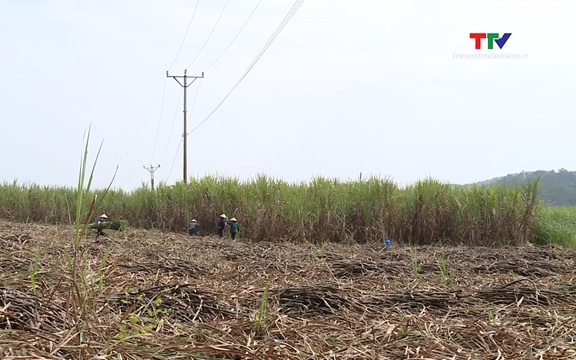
pixel 157 296
pixel 25 311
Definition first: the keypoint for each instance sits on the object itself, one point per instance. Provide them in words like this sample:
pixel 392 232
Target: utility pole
pixel 185 85
pixel 151 169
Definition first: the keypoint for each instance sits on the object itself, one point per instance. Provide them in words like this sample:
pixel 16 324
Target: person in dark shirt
pixel 193 227
pixel 222 225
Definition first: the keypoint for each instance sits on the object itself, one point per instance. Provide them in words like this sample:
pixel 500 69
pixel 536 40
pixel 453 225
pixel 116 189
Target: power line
pixel 195 97
pixel 175 158
pixel 128 175
pixel 159 120
pixel 172 128
pixel 209 35
pixel 233 39
pixel 185 35
pixel 279 29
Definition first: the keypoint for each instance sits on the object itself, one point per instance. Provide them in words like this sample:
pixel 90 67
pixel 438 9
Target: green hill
pixel 556 187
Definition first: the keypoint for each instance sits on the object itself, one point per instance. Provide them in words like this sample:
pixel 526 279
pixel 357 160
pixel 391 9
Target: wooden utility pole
pixel 185 85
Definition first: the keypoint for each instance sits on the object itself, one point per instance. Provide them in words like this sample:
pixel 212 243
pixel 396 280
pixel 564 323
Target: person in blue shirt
pixel 222 225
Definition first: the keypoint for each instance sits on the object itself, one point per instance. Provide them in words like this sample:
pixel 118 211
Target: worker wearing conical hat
pixel 100 219
pixel 193 227
pixel 234 227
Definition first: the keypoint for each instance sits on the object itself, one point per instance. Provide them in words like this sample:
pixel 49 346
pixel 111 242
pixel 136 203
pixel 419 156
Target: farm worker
pixel 222 225
pixel 234 227
pixel 100 219
pixel 193 227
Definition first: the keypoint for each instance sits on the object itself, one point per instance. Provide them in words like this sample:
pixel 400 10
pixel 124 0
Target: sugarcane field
pixel 148 294
pixel 287 180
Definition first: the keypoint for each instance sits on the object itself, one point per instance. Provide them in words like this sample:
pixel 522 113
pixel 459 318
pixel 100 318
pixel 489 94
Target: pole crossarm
pixel 151 170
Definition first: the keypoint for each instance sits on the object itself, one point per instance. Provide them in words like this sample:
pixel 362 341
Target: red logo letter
pixel 478 37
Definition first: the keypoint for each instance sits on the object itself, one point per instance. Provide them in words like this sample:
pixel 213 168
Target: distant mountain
pixel 556 187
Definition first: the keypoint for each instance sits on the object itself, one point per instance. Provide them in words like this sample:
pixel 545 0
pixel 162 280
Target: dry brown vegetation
pixel 170 296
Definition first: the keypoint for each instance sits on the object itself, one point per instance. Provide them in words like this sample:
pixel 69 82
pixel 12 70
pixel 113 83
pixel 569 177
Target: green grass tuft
pixel 556 225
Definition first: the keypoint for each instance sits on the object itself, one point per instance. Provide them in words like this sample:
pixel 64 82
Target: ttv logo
pixel 492 37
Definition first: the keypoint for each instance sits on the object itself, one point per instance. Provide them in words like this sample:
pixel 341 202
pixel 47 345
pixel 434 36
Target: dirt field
pixel 170 296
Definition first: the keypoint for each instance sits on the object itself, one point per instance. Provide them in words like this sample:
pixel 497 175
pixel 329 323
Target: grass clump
pixel 445 273
pixel 556 225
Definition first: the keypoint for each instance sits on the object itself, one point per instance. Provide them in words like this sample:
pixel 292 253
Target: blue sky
pixel 347 87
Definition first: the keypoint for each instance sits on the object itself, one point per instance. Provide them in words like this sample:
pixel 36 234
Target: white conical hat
pixel 223 216
pixel 104 216
pixel 233 219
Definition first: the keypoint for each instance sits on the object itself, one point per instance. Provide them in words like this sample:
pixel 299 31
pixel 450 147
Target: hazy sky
pixel 378 87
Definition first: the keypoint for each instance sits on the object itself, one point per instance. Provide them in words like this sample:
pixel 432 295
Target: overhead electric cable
pixel 284 22
pixel 209 35
pixel 159 121
pixel 172 128
pixel 185 35
pixel 234 38
pixel 195 97
pixel 175 158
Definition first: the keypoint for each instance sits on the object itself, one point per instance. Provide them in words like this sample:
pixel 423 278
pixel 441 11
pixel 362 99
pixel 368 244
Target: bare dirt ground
pixel 171 296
